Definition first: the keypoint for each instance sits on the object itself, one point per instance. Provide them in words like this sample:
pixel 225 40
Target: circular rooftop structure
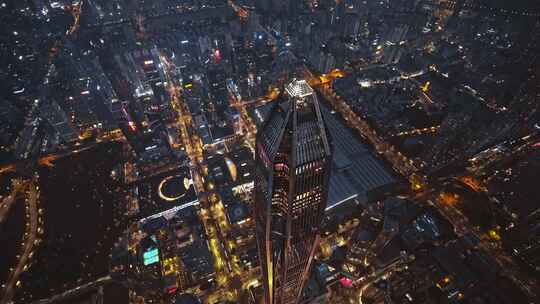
pixel 173 188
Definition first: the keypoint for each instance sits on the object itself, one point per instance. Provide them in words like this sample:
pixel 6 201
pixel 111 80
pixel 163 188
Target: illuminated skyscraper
pixel 292 172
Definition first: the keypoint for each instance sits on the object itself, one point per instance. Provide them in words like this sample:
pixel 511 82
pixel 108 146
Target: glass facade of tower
pixel 293 161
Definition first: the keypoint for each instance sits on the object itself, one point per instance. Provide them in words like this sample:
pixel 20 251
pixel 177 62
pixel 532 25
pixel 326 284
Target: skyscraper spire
pixel 292 172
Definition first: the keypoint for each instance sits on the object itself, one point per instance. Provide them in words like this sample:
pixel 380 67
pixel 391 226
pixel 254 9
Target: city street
pixel 211 214
pixel 419 184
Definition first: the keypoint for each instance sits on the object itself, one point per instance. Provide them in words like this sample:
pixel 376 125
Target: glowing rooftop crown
pixel 299 89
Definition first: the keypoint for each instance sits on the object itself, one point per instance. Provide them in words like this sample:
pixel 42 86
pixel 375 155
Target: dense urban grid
pixel 270 151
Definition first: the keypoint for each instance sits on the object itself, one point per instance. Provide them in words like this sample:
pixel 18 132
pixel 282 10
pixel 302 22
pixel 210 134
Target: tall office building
pixel 292 173
pixel 51 111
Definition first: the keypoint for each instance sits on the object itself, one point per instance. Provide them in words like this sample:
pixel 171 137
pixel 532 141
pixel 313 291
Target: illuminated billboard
pixel 151 257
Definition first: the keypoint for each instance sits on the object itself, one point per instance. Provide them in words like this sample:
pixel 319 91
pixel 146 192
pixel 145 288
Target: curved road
pixel 7 202
pixel 30 239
